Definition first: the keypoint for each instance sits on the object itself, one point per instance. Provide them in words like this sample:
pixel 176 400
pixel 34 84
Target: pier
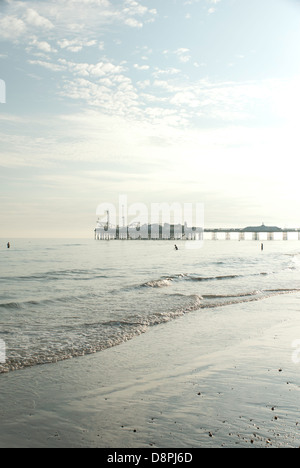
pixel 254 234
pixel 106 231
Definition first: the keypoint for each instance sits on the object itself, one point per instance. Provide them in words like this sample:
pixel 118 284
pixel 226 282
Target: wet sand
pixel 220 377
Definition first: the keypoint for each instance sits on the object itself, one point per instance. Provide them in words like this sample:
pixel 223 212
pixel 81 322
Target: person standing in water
pixel 8 245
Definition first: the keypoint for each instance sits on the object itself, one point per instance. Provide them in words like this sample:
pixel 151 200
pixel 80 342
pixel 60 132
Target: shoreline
pixel 220 377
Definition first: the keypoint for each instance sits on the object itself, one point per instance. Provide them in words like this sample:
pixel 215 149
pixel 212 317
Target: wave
pixel 161 283
pixel 249 297
pixel 75 274
pixel 11 305
pixel 213 278
pixel 72 341
pixel 283 290
pixel 87 275
pixel 44 302
pixel 221 300
pixel 166 281
pixel 229 296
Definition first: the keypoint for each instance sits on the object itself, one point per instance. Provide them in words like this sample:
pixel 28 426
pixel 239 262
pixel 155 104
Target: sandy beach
pixel 222 378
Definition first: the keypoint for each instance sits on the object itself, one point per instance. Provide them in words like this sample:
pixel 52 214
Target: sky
pixel 161 101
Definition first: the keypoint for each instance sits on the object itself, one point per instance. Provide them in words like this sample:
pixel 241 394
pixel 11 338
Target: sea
pixel 63 299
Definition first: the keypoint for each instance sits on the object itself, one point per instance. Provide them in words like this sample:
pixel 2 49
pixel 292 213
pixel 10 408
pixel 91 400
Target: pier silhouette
pixel 106 231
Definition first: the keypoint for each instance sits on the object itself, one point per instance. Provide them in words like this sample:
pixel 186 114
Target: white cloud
pixel 33 18
pixel 11 27
pixel 213 9
pixel 134 8
pixel 48 65
pixel 76 17
pixel 133 23
pixel 105 88
pixel 76 45
pixel 41 45
pixel 141 67
pixel 182 54
pixel 109 86
pixel 166 71
pixel 214 155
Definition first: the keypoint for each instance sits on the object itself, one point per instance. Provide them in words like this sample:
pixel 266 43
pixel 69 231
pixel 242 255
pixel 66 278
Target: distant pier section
pixel 135 231
pixel 256 233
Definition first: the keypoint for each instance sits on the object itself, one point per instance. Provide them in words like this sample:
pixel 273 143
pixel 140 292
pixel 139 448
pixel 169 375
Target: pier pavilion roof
pixel 261 228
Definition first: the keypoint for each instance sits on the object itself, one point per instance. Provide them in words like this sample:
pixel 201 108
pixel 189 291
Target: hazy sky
pixel 160 100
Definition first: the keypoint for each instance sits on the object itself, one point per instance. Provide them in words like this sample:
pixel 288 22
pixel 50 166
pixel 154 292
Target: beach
pixel 226 378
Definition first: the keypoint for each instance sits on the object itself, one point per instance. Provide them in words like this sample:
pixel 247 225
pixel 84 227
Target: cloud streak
pixel 70 17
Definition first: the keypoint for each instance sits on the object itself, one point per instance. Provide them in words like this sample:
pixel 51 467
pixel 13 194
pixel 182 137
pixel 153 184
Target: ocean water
pixel 61 299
